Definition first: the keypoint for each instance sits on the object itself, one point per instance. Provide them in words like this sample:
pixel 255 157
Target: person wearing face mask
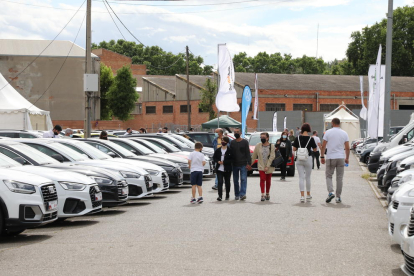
pixel 285 147
pixel 264 152
pixel 218 136
pixel 223 159
pixel 241 163
pixel 54 133
pixel 68 133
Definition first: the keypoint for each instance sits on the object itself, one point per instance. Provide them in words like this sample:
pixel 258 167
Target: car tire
pixel 366 159
pixel 291 171
pixel 1 222
pixel 12 233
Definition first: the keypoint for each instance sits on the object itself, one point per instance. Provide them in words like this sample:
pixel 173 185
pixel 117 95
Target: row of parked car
pixel 393 163
pixel 45 180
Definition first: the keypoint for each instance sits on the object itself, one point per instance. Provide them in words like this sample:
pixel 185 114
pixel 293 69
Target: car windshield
pixel 171 140
pixel 37 156
pixel 151 146
pixel 69 152
pixel 184 140
pixel 255 139
pixel 161 143
pixel 7 162
pixel 120 149
pixel 92 151
pixel 141 148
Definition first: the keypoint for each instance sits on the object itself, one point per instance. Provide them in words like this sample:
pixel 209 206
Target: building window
pixel 354 106
pixel 183 108
pixel 137 109
pixel 302 107
pixel 250 109
pixel 168 109
pixel 275 107
pixel 150 109
pixel 328 107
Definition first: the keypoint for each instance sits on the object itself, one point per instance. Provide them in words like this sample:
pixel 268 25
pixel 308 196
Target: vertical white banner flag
pixel 226 99
pixel 284 124
pixel 275 121
pixel 363 112
pixel 256 98
pixel 373 116
pixel 381 103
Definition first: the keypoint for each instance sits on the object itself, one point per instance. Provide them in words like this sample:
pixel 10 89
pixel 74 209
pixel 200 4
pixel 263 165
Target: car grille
pixel 395 204
pixel 409 262
pixel 392 228
pixel 49 192
pixel 92 193
pixel 164 180
pixel 410 230
pixel 50 216
pixel 121 185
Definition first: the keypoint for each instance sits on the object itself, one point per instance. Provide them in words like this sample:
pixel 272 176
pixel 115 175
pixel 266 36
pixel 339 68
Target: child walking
pixel 196 163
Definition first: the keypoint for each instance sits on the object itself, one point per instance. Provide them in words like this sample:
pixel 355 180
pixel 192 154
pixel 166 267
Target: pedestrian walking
pixel 103 135
pixel 54 133
pixel 165 130
pixel 316 153
pixel 298 132
pixel 223 159
pixel 68 133
pixel 264 152
pixel 285 147
pixel 241 163
pixel 291 136
pixel 128 131
pixel 142 130
pixel 303 146
pixel 160 130
pixel 196 162
pixel 336 143
pixel 218 136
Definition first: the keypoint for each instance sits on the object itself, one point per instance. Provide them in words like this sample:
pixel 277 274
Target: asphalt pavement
pixel 166 235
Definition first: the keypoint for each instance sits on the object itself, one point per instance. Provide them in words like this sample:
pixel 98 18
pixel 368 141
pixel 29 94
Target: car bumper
pixel 397 221
pixel 161 183
pixel 138 188
pixel 79 203
pixel 407 248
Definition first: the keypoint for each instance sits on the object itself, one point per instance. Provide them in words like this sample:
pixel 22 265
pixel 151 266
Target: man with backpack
pixel 336 142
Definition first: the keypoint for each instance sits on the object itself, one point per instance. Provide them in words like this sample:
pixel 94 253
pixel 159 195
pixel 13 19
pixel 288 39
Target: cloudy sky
pixel 286 26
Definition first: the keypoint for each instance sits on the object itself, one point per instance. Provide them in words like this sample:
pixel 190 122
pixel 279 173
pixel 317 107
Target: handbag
pixel 302 154
pixel 278 159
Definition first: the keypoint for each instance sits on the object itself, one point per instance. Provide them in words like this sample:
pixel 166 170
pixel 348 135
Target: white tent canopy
pixel 349 121
pixel 18 113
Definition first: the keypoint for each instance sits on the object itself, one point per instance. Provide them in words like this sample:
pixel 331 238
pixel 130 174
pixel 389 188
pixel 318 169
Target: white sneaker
pixel 308 197
pixel 338 200
pixel 302 199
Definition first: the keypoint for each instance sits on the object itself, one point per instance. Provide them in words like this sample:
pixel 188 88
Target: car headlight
pixel 103 180
pixel 406 179
pixel 153 172
pixel 72 186
pixel 19 187
pixel 130 175
pixel 184 165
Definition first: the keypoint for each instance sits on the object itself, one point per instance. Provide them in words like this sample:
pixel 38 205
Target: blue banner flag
pixel 246 102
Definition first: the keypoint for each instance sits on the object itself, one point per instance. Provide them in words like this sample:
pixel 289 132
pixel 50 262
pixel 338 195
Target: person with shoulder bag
pixel 223 159
pixel 285 148
pixel 303 146
pixel 264 152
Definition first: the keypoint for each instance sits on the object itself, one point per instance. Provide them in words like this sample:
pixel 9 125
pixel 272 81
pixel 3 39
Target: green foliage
pixel 208 95
pixel 122 95
pixel 157 60
pixel 106 81
pixel 363 49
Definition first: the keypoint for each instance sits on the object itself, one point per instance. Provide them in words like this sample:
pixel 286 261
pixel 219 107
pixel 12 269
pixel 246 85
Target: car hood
pixel 88 170
pixel 142 164
pixel 391 152
pixel 402 155
pixel 25 177
pixel 155 160
pixel 113 165
pixel 175 159
pixel 403 189
pixel 56 174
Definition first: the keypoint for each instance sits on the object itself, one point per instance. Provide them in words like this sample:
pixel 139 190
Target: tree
pixel 106 81
pixel 122 95
pixel 208 96
pixel 363 49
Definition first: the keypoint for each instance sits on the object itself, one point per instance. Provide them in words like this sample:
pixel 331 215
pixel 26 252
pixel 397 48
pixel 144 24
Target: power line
pixel 114 20
pixel 185 5
pixel 46 46
pixel 60 69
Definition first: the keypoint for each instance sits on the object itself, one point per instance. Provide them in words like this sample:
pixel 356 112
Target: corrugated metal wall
pixel 293 120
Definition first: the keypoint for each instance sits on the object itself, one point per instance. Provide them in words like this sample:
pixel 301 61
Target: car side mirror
pixel 113 155
pixel 20 160
pixel 58 157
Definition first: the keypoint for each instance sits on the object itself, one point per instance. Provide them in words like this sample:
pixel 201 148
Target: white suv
pixel 26 201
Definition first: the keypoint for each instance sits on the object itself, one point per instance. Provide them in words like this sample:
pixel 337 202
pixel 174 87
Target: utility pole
pixel 88 69
pixel 188 91
pixel 388 59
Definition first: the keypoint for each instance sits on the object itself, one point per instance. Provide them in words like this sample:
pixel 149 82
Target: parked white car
pixel 407 245
pixel 78 194
pixel 26 201
pixel 399 209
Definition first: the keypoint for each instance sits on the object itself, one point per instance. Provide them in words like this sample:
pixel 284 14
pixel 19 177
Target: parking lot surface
pixel 166 235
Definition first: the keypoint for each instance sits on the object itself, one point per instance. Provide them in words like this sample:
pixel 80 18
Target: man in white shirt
pixel 128 131
pixel 54 133
pixel 335 141
pixel 316 154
